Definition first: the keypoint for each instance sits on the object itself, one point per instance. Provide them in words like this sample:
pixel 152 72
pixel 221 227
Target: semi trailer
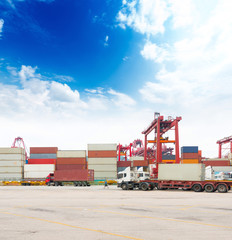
pixel 77 177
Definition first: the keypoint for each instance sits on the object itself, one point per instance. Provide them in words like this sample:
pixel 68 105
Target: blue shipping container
pixel 189 149
pixel 43 156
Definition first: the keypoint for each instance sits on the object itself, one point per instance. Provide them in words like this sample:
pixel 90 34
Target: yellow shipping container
pixel 188 161
pixel 168 161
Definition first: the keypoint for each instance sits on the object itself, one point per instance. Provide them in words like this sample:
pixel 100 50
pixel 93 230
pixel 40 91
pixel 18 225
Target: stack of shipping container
pixel 102 158
pixel 189 155
pixel 12 164
pixel 138 161
pixel 41 162
pixel 71 160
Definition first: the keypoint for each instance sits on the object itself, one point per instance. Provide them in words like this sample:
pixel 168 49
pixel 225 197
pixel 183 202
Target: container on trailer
pixel 102 161
pixel 71 161
pixel 102 154
pixel 102 147
pixel 74 175
pixel 12 151
pixel 71 154
pixel 70 166
pixel 124 164
pixel 42 161
pixel 103 168
pixel 185 172
pixel 189 149
pixel 40 174
pixel 39 168
pixel 189 156
pixel 43 156
pixel 39 150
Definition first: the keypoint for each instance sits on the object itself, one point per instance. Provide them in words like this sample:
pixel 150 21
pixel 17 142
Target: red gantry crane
pixel 18 142
pixel 224 141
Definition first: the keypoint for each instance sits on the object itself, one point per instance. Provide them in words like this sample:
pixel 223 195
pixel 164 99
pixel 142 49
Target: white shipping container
pixel 103 168
pixel 12 157
pixel 11 169
pixel 11 163
pixel 71 154
pixel 39 168
pixel 102 147
pixel 103 175
pixel 36 174
pixel 12 151
pixel 216 159
pixel 136 158
pixel 102 161
pixel 222 169
pixel 186 172
pixel 10 176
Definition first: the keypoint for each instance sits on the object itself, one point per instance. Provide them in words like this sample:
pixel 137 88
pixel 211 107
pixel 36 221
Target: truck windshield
pixel 120 175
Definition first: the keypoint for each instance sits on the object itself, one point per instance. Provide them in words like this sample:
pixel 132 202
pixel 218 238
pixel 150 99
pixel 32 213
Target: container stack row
pixel 71 160
pixel 189 155
pixel 102 158
pixel 12 164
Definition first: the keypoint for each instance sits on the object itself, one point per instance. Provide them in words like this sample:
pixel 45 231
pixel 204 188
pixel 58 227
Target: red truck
pixel 79 177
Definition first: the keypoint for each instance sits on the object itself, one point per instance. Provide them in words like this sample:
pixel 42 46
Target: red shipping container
pixel 38 150
pixel 71 161
pixel 124 164
pixel 74 175
pixel 70 166
pixel 189 156
pixel 140 163
pixel 41 161
pixel 102 154
pixel 217 163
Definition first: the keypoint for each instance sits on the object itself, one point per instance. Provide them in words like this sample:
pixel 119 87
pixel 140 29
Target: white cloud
pixel 1 26
pixel 106 42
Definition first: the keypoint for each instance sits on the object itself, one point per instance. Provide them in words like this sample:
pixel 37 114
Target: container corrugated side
pixel 103 175
pixel 189 155
pixel 102 154
pixel 124 164
pixel 103 161
pixel 11 176
pixel 38 150
pixel 70 166
pixel 103 168
pixel 73 175
pixel 39 167
pixel 71 161
pixel 37 174
pixel 11 163
pixel 43 156
pixel 71 154
pixel 12 151
pixel 11 156
pixel 11 169
pixel 102 147
pixel 140 163
pixel 185 172
pixel 217 163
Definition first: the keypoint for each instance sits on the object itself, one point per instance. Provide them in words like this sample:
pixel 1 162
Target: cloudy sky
pixel 87 71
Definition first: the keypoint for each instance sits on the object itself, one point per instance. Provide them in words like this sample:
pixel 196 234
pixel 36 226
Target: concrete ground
pixel 41 212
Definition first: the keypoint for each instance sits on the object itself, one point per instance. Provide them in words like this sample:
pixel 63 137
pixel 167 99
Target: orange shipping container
pixel 71 161
pixel 168 161
pixel 189 155
pixel 188 161
pixel 139 163
pixel 102 154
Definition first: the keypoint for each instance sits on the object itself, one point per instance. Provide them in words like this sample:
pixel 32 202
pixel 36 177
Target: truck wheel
pixel 124 186
pixel 49 184
pixel 144 186
pixel 186 189
pixel 56 184
pixel 209 188
pixel 222 188
pixel 197 188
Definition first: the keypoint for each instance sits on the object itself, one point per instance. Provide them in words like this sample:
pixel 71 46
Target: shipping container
pixel 216 159
pixel 70 166
pixel 11 163
pixel 136 158
pixel 71 154
pixel 184 172
pixel 222 169
pixel 189 161
pixel 102 147
pixel 168 157
pixel 74 175
pixel 33 175
pixel 71 161
pixel 103 175
pixel 12 151
pixel 124 164
pixel 102 154
pixel 168 161
pixel 11 156
pixel 216 163
pixel 189 149
pixel 189 155
pixel 39 167
pixel 103 168
pixel 11 169
pixel 11 176
pixel 100 161
pixel 42 161
pixel 140 163
pixel 43 156
pixel 43 150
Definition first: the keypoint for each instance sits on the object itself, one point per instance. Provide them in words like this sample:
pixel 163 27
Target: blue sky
pixel 76 72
